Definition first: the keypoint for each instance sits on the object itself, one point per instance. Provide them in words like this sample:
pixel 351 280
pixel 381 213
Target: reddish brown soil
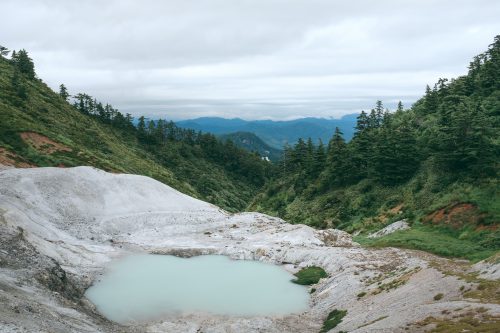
pixel 396 209
pixel 42 143
pixel 8 158
pixel 457 215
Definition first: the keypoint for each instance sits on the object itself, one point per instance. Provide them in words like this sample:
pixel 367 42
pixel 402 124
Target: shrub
pixel 309 275
pixel 334 318
pixel 438 297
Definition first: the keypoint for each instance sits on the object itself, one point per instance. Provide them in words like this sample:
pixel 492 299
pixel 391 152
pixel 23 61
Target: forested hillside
pixel 252 142
pixel 435 164
pixel 39 127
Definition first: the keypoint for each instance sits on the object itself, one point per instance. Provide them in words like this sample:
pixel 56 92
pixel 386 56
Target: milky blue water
pixel 145 287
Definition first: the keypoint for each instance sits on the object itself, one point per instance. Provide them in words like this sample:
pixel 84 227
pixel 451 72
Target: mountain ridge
pixel 276 133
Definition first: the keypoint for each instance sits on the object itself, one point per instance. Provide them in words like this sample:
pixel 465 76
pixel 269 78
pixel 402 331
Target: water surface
pixel 144 287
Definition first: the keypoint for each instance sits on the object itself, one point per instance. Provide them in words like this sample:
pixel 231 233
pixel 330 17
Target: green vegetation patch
pixel 309 275
pixel 434 240
pixel 334 318
pixel 438 297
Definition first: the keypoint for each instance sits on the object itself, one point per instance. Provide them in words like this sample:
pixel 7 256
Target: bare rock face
pixel 399 225
pixel 60 228
pixel 334 237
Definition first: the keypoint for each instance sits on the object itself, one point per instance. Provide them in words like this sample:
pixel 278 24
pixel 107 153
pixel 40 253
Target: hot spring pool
pixel 144 287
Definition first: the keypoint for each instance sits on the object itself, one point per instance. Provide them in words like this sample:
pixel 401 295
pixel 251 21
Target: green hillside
pixel 38 127
pixel 253 143
pixel 435 164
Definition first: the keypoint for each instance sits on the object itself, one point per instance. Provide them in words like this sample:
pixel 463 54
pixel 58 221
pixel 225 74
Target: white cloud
pixel 249 58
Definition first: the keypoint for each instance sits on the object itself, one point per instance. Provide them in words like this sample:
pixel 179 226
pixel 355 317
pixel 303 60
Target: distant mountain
pixel 276 133
pixel 252 142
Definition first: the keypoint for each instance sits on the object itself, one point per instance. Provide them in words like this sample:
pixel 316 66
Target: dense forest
pixel 440 154
pixel 95 133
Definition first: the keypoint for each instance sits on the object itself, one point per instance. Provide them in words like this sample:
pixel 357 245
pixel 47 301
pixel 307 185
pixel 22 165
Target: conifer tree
pixel 337 159
pixel 379 113
pixel 24 63
pixel 309 158
pixel 361 123
pixel 430 100
pixel 141 129
pixel 299 154
pixel 63 92
pixel 400 107
pixel 319 159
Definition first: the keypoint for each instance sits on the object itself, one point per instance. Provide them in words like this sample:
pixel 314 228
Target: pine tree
pixel 319 159
pixel 151 129
pixel 24 63
pixel 337 159
pixel 63 92
pixel 299 154
pixel 362 144
pixel 379 113
pixel 361 123
pixel 430 100
pixel 309 158
pixel 400 107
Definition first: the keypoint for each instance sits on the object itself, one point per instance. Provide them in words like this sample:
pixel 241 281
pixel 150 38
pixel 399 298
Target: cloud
pixel 249 58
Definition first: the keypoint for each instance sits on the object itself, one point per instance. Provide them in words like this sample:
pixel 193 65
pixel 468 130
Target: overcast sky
pixel 254 59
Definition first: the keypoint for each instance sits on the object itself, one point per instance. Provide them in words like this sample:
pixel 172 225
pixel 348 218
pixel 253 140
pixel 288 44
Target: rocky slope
pixel 60 227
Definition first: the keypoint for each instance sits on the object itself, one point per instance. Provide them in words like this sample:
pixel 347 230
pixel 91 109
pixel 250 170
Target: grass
pixel 334 318
pixel 309 275
pixel 431 240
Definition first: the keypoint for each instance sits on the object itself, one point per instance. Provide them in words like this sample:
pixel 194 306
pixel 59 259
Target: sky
pixel 252 59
